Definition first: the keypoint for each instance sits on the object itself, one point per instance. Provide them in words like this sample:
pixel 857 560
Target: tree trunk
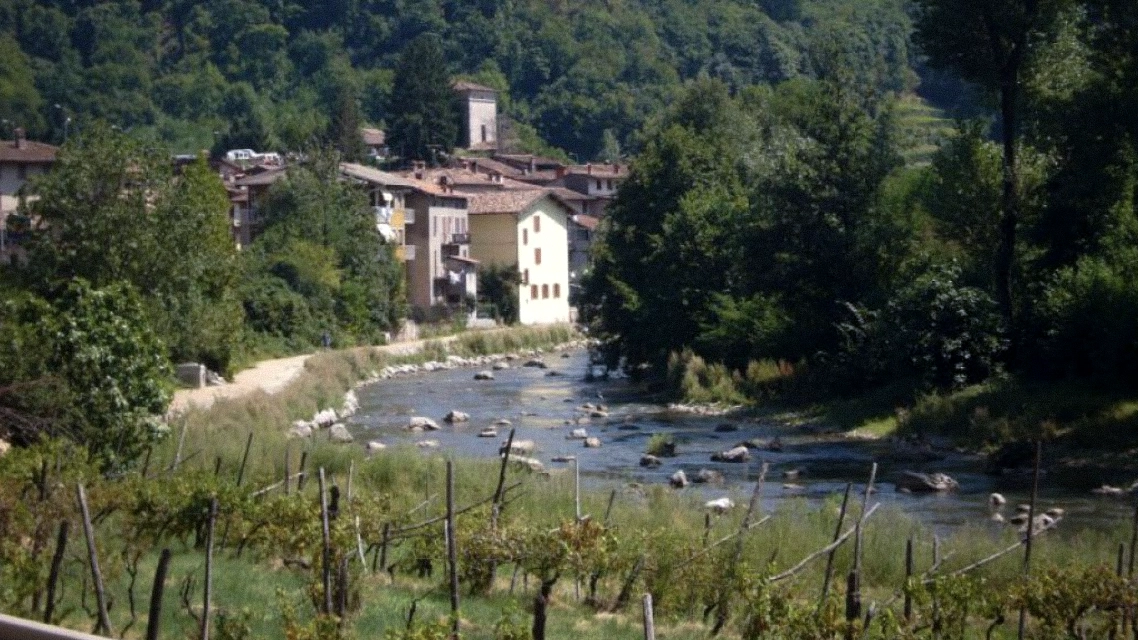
pixel 1009 200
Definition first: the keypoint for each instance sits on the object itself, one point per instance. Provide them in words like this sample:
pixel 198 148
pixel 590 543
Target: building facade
pixel 440 268
pixel 479 105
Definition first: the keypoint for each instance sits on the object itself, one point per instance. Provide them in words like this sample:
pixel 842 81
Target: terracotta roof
pixel 599 170
pixel 523 160
pixel 487 165
pixel 373 137
pixel 374 176
pixel 260 179
pixel 568 194
pixel 587 221
pixel 465 85
pixel 27 152
pixel 510 201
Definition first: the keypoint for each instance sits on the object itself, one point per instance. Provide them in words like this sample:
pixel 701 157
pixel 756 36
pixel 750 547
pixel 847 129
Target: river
pixel 542 404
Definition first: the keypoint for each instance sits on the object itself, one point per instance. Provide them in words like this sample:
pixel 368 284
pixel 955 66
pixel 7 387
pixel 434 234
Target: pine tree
pixel 423 119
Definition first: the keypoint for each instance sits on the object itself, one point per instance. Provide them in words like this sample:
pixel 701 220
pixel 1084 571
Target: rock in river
pixel 738 454
pixel 679 479
pixel 577 434
pixel 339 433
pixel 708 476
pixel 375 445
pixel 925 482
pixel 488 432
pixel 519 447
pixel 420 423
pixel 457 416
pixel 649 460
pixel 720 505
pixel 592 443
pixel 484 375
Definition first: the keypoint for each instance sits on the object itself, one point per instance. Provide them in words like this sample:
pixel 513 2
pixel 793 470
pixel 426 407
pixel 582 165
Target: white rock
pixel 996 500
pixel 720 505
pixel 339 433
pixel 457 416
pixel 501 365
pixel 679 479
pixel 5 447
pixel 738 454
pixel 519 447
pixel 484 375
pixel 592 443
pixel 300 429
pixel 563 458
pixel 577 434
pixel 597 413
pixel 649 460
pixel 421 423
pixel 375 445
pixel 351 404
pixel 488 432
pixel 324 419
pixel 427 444
pixel 502 422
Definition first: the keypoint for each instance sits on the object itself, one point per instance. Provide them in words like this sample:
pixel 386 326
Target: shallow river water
pixel 543 408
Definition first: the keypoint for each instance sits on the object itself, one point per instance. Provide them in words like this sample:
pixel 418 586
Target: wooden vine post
pixel 208 595
pixel 829 575
pixel 154 619
pixel 1030 531
pixel 649 619
pixel 722 606
pixel 452 551
pixel 104 623
pixel 56 564
pixel 853 583
pixel 326 562
pixel 244 459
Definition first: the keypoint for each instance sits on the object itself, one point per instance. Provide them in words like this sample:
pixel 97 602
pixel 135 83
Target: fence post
pixel 649 620
pixel 93 558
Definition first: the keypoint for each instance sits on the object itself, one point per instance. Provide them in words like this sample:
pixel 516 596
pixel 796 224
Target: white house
pixel 527 228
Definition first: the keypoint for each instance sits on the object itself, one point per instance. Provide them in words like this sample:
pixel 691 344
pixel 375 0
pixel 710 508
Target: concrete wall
pixel 10 180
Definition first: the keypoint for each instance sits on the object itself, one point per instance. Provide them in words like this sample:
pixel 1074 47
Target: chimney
pixel 21 138
pixel 532 164
pixel 561 171
pixel 589 168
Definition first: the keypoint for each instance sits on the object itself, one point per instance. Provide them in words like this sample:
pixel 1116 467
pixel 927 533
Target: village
pixel 475 208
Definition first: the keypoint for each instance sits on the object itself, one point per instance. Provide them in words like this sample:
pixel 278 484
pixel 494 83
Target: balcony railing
pixel 459 238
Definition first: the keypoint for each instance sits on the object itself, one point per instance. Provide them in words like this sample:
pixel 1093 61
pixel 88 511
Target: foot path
pixel 271 376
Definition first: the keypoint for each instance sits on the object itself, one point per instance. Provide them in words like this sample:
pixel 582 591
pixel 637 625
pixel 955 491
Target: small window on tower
pixel 525 236
pixel 537 255
pixel 483 133
pixel 557 290
pixel 533 292
pixel 544 291
pixel 536 224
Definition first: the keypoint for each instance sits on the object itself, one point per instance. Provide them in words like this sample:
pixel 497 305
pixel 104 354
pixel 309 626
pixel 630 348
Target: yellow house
pixel 387 196
pixel 527 228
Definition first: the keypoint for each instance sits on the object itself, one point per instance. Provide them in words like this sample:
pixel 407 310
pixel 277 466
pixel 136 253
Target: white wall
pixel 551 277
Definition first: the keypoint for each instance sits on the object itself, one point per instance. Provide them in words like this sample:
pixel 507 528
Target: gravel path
pixel 271 376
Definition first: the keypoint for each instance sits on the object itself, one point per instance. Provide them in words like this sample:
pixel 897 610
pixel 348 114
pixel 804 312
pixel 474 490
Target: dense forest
pixel 272 74
pixel 781 224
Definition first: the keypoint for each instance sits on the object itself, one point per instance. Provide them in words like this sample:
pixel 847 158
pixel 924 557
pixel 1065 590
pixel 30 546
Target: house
pixel 375 142
pixel 598 182
pixel 529 229
pixel 582 231
pixel 479 109
pixel 387 196
pixel 20 160
pixel 440 267
pixel 249 192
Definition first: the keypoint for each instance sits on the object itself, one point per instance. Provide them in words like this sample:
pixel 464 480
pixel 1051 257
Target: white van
pixel 239 155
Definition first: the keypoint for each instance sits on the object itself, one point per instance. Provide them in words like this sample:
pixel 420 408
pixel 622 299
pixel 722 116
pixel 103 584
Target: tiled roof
pixel 569 194
pixel 374 176
pixel 27 152
pixel 465 85
pixel 263 178
pixel 599 170
pixel 524 159
pixel 587 221
pixel 373 137
pixel 486 165
pixel 510 201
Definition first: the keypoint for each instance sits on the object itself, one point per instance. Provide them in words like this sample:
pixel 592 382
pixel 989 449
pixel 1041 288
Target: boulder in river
pixel 519 447
pixel 484 375
pixel 726 427
pixel 339 433
pixel 375 445
pixel 427 444
pixel 917 482
pixel 597 413
pixel 502 422
pixel 500 365
pixel 738 454
pixel 488 432
pixel 679 479
pixel 720 505
pixel 536 363
pixel 421 423
pixel 708 476
pixel 649 460
pixel 563 459
pixel 457 416
pixel 324 419
pixel 592 443
pixel 577 434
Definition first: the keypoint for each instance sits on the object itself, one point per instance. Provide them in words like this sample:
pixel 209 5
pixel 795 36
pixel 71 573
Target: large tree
pixel 989 43
pixel 423 118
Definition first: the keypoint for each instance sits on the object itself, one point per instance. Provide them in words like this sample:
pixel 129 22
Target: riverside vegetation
pixel 531 554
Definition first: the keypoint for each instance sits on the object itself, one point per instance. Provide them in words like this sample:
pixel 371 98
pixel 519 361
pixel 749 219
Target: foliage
pixel 498 287
pixel 424 119
pixel 89 367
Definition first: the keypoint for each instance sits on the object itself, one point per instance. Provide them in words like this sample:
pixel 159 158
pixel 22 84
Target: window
pixel 545 291
pixel 609 182
pixel 598 185
pixel 536 223
pixel 533 292
pixel 537 255
pixel 525 236
pixel 22 171
pixel 557 290
pixel 483 133
pixel 525 276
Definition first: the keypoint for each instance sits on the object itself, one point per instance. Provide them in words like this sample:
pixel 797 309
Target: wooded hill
pixel 270 74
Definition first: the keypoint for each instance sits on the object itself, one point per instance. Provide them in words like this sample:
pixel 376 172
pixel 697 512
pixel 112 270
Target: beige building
pixel 527 228
pixel 387 196
pixel 20 160
pixel 479 105
pixel 440 268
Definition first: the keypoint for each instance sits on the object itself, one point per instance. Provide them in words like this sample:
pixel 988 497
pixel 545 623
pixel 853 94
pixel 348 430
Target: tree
pixel 111 211
pixel 20 102
pixel 89 365
pixel 989 42
pixel 344 128
pixel 423 118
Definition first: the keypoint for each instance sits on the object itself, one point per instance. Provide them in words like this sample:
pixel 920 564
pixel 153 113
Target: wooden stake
pixel 829 575
pixel 452 551
pixel 577 487
pixel 104 623
pixel 56 563
pixel 154 619
pixel 244 459
pixel 724 594
pixel 302 476
pixel 326 568
pixel 382 557
pixel 1133 544
pixel 1030 530
pixel 288 450
pixel 649 620
pixel 495 507
pixel 181 443
pixel 351 473
pixel 208 569
pixel 908 576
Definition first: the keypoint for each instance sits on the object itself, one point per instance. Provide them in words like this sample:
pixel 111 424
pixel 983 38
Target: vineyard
pixel 232 531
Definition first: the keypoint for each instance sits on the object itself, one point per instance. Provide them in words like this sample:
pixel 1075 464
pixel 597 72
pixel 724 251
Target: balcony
pixel 459 238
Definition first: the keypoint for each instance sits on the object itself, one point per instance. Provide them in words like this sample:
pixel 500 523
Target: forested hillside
pixel 270 74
